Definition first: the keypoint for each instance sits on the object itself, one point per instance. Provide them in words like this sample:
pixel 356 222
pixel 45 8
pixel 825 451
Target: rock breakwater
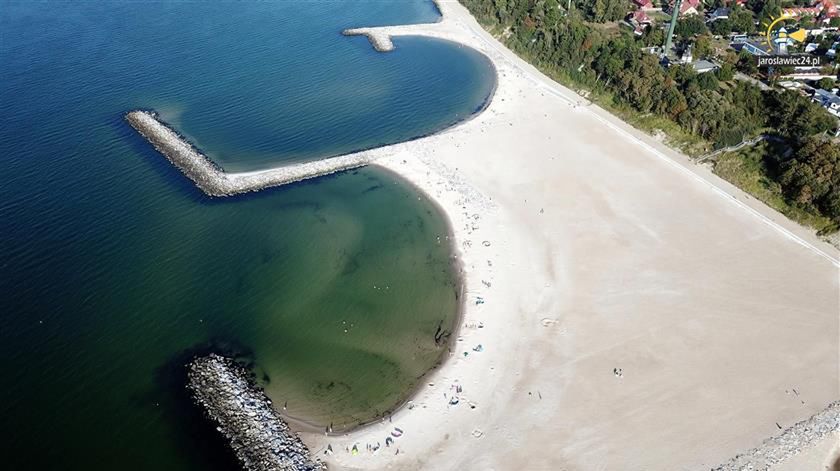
pixel 261 440
pixel 214 181
pixel 379 39
pixel 790 442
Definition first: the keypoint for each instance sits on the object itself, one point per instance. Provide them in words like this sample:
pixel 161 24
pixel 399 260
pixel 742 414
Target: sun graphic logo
pixel 783 32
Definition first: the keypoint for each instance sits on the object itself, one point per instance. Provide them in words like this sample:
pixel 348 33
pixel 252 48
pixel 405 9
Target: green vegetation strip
pixel 696 112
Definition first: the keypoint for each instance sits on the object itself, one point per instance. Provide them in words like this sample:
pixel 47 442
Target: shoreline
pixel 447 349
pixel 245 416
pixel 650 266
pixel 441 434
pixel 214 181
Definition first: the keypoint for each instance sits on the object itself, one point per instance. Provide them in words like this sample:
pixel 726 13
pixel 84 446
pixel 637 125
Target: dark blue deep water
pixel 114 269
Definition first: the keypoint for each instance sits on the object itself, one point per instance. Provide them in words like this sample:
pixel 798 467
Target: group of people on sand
pixel 389 440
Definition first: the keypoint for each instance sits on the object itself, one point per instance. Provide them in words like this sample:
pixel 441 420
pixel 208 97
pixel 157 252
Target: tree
pixel 598 11
pixel 721 27
pixel 672 103
pixel 612 61
pixel 653 37
pixel 602 11
pixel 746 63
pixel 812 177
pixel 826 83
pixel 770 10
pixel 741 20
pixel 616 9
pixel 703 46
pixel 726 72
pixel 690 26
pixel 796 117
pixel 707 81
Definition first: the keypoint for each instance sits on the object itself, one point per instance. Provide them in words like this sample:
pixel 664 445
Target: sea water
pixel 114 269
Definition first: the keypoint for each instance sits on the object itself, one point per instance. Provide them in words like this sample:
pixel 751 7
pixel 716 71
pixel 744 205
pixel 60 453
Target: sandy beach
pixel 626 309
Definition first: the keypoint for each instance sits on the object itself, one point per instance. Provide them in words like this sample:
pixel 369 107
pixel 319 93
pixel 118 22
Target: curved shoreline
pixel 457 266
pixel 214 181
pixel 501 380
pixel 542 304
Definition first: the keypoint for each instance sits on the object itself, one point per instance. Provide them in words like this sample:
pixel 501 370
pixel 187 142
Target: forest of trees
pixel 711 106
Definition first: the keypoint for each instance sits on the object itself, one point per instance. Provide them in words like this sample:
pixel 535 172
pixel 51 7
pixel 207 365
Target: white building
pixel 828 100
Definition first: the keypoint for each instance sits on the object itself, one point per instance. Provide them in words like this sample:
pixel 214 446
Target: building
pixel 646 5
pixel 822 10
pixel 688 7
pixel 782 41
pixel 719 14
pixel 807 73
pixel 702 66
pixel 687 57
pixel 828 100
pixel 799 12
pixel 640 21
pixel 756 48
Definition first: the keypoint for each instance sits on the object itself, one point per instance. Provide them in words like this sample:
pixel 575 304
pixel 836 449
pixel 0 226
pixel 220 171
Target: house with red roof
pixel 640 21
pixel 823 10
pixel 829 10
pixel 799 12
pixel 688 7
pixel 645 5
pixel 641 17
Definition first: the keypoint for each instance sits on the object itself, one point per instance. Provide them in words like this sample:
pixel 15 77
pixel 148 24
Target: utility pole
pixel 674 15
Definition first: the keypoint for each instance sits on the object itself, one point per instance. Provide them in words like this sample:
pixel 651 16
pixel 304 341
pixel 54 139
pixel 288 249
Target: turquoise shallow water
pixel 114 268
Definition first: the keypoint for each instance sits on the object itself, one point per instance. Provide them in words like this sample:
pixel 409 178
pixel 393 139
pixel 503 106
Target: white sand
pixel 608 251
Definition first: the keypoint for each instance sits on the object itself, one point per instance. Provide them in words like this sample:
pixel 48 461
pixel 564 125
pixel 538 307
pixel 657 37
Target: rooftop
pixel 703 65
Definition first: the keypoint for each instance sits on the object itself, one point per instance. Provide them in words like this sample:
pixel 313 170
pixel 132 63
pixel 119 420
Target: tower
pixel 674 15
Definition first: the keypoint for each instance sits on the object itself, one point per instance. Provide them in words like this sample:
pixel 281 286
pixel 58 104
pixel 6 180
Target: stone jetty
pixel 380 39
pixel 261 440
pixel 790 442
pixel 216 182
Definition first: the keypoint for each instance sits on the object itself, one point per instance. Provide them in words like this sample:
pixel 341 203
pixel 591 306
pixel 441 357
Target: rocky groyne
pixel 790 442
pixel 216 182
pixel 379 39
pixel 261 440
pixel 189 160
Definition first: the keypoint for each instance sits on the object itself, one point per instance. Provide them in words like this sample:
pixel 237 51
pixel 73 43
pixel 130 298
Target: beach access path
pixel 625 308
